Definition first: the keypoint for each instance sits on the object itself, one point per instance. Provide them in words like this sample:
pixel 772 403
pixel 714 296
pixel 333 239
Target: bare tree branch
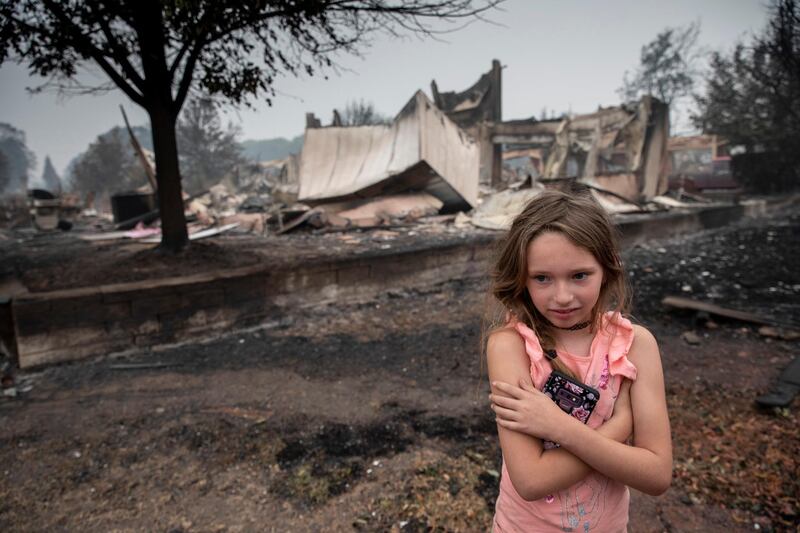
pixel 120 54
pixel 85 46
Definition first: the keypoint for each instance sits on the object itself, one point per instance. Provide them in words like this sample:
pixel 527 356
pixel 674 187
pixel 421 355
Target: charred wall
pixel 482 102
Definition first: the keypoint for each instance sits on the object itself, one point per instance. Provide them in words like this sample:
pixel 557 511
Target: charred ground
pixel 373 416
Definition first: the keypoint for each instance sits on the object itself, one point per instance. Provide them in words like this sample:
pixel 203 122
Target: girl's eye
pixel 540 278
pixel 581 276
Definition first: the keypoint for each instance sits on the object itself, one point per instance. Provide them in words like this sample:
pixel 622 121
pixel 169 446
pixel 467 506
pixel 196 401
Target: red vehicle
pixel 715 176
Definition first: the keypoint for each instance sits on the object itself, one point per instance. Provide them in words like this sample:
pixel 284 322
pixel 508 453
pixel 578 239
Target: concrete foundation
pixel 73 324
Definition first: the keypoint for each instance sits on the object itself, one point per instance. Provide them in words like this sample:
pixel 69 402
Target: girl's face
pixel 564 280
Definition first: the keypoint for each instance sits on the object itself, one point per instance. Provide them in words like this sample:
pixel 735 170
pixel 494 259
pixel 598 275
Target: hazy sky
pixel 559 54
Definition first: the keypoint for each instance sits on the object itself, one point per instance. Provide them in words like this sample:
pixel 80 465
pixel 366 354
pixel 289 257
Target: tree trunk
pixel 174 236
pixel 149 26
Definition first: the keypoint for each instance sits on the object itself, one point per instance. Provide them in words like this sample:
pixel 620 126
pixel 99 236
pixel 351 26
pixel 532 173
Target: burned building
pixel 458 145
pixel 621 149
pixel 483 102
pixel 421 150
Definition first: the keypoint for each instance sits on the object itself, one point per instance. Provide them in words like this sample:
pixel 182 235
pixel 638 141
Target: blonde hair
pixel 578 217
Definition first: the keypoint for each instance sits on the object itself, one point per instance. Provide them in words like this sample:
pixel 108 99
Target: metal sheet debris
pixel 201 234
pixel 497 211
pixel 421 150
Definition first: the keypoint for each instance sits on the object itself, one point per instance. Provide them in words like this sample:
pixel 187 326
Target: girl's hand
pixel 527 410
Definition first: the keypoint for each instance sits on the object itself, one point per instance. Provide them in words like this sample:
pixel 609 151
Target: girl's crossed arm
pixel 645 466
pixel 536 472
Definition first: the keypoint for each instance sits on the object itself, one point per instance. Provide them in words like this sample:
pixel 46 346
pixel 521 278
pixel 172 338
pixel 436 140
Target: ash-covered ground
pixel 374 417
pixel 751 265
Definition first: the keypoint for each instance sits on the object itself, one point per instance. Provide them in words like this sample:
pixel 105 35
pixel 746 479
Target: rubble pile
pixel 452 154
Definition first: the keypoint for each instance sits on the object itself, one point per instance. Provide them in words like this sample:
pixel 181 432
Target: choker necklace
pixel 575 327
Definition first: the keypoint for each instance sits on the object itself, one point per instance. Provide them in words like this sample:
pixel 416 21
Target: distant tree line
pixel 269 149
pixel 207 151
pixel 752 99
pixel 107 166
pixel 51 181
pixel 751 94
pixel 362 113
pixel 16 160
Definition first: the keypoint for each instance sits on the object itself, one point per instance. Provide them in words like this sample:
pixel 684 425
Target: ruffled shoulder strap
pixel 615 339
pixel 540 366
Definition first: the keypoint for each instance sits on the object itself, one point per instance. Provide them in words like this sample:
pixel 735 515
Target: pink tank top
pixel 596 503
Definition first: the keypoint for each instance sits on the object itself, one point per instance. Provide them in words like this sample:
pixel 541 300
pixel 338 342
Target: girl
pixel 561 289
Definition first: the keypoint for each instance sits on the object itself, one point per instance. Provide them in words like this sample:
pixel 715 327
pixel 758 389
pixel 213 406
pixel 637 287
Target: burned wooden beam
pixel 679 302
pixel 151 175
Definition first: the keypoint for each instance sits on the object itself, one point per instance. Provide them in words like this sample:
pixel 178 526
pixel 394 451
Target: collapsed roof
pixel 421 150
